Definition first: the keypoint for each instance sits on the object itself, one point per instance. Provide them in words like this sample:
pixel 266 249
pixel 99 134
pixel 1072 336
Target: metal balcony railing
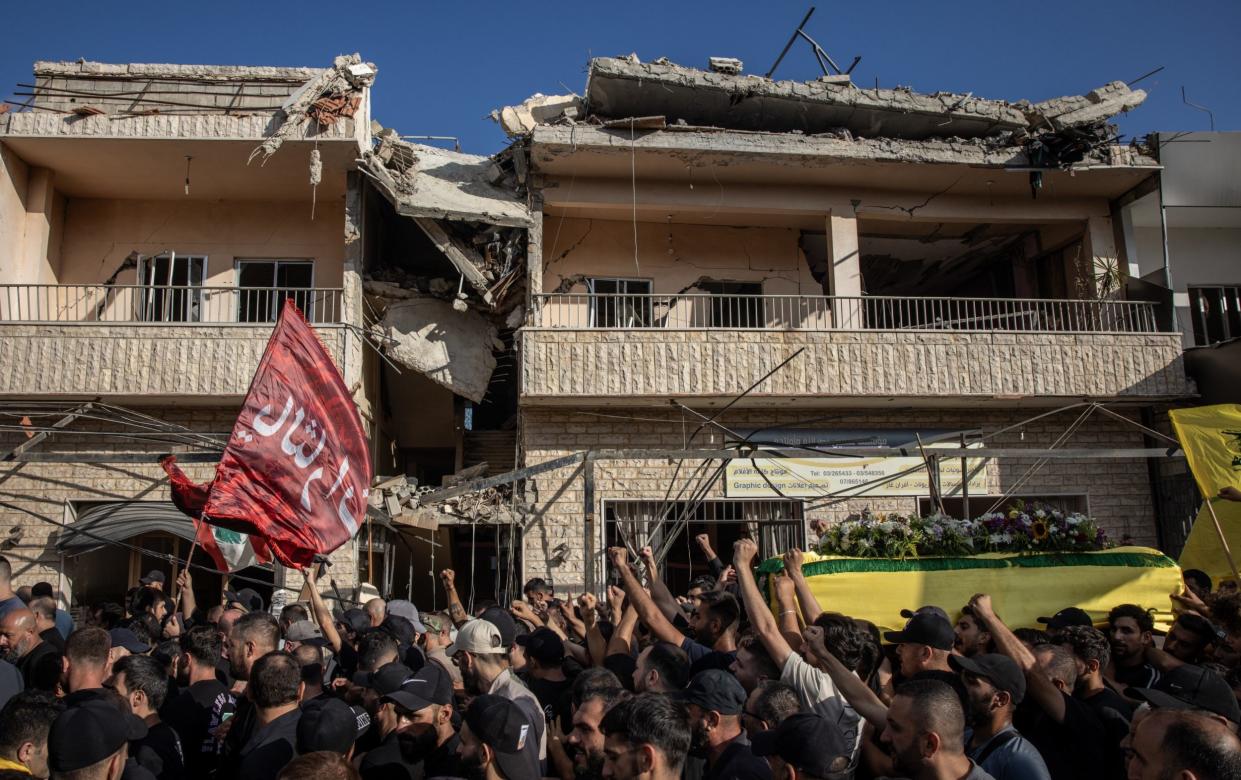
pixel 700 311
pixel 89 304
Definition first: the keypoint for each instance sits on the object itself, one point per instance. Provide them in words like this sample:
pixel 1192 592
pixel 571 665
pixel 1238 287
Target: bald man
pixel 1183 744
pixel 22 646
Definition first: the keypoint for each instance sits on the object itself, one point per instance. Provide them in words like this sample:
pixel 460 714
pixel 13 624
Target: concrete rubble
pixel 536 110
pixel 336 92
pixel 626 94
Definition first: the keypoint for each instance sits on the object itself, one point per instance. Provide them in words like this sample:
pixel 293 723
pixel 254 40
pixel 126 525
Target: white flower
pixel 863 544
pixel 1040 514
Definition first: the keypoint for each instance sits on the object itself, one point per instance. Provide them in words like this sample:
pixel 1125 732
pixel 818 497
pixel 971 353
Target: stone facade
pixel 1116 492
pixel 636 366
pixel 157 359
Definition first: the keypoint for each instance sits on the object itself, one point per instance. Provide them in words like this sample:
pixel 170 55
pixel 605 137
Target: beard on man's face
pixel 417 745
pixel 587 765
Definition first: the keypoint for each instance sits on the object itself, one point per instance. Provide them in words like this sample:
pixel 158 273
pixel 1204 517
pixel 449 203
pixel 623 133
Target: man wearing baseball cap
pixel 498 741
pixel 481 654
pixel 715 700
pixel 330 724
pixel 154 579
pixel 1190 687
pixel 994 686
pixel 1069 616
pixel 925 643
pixel 804 745
pixel 303 632
pixel 424 709
pixel 91 739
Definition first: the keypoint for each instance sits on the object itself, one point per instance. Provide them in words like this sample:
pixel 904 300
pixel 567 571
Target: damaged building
pixel 820 264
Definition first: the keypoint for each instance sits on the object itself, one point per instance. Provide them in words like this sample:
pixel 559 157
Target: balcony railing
pixel 90 304
pixel 698 311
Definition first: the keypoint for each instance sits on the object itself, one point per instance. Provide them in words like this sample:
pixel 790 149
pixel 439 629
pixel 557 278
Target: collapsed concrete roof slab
pixel 618 88
pixel 1095 106
pixel 425 181
pixel 535 110
pixel 453 348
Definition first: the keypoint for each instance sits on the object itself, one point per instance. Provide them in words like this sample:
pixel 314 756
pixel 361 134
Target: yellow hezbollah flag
pixel 1211 438
pixel 1024 586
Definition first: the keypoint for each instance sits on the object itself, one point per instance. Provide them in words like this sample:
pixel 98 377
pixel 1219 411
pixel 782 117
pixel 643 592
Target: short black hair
pixel 1198 577
pixel 671 663
pixel 536 585
pixel 41 589
pixel 203 644
pixel 594 683
pixel 88 646
pixel 651 719
pixel 762 659
pixel 844 638
pixel 723 607
pixel 145 599
pixel 775 702
pixel 374 645
pixel 1032 636
pixel 1197 624
pixel 110 614
pixel 1227 612
pixel 704 582
pixel 294 613
pixel 274 680
pixel 27 717
pixel 1140 616
pixel 143 673
pixel 937 708
pixel 1088 643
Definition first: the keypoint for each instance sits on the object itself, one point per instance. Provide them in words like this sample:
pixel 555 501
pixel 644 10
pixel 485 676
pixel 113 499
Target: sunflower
pixel 1039 530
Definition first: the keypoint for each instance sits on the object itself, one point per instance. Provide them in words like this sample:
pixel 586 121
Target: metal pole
pixel 789 45
pixel 965 483
pixel 1223 541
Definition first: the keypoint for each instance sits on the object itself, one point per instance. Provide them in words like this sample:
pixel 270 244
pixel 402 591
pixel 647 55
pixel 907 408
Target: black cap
pixel 123 637
pixel 400 628
pixel 330 724
pixel 430 685
pixel 154 575
pixel 354 619
pixel 1069 616
pixel 924 628
pixel 88 733
pixel 505 728
pixel 502 620
pixel 716 691
pixel 385 679
pixel 1191 687
pixel 999 670
pixel 808 742
pixel 543 645
pixel 929 609
pixel 248 598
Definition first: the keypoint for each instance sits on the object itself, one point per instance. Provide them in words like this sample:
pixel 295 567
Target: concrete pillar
pixel 1100 249
pixel 844 267
pixel 36 264
pixel 534 252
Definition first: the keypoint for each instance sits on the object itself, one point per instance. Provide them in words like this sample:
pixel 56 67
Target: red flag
pixel 296 472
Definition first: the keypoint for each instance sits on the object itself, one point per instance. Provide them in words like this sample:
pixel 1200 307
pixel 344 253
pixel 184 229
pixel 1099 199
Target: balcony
pixel 633 349
pixel 143 340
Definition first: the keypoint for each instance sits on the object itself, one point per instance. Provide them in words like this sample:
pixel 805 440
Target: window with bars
pixel 775 524
pixel 734 304
pixel 1216 313
pixel 171 288
pixel 263 286
pixel 620 303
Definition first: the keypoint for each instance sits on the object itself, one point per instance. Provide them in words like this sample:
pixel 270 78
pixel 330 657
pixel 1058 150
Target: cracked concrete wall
pixel 99 234
pixel 675 257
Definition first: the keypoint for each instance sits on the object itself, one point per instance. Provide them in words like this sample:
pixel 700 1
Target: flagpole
pixel 1223 542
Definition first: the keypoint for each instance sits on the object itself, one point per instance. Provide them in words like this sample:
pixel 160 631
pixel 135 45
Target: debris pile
pixel 332 94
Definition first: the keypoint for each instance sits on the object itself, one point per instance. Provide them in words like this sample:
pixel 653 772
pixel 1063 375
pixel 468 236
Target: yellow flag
pixel 1211 439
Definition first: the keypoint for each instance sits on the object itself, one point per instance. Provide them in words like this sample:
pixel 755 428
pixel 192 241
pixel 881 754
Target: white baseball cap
pixel 477 636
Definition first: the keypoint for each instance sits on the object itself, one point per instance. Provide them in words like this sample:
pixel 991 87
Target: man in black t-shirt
pixel 143 682
pixel 544 675
pixel 201 707
pixel 1091 650
pixel 1130 631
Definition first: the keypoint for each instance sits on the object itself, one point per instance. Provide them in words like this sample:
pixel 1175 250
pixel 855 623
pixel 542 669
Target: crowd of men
pixel 715 683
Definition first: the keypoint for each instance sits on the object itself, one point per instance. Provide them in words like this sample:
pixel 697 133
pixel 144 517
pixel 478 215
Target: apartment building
pixel 824 264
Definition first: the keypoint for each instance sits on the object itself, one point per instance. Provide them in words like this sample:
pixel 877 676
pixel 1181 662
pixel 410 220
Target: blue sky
pixel 443 66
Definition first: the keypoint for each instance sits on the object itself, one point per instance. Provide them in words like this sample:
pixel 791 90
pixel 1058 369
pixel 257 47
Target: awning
pixel 114 522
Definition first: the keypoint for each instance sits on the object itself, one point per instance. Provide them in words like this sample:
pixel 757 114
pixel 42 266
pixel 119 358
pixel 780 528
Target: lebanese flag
pixel 231 551
pixel 296 473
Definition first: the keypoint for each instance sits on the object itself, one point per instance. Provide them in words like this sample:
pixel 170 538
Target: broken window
pixel 263 286
pixel 170 288
pixel 1216 313
pixel 734 304
pixel 620 303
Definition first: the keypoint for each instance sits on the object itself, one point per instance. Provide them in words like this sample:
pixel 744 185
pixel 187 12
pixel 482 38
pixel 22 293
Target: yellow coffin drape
pixel 1023 587
pixel 1211 438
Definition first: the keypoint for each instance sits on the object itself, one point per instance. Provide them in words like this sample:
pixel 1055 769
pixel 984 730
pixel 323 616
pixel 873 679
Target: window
pixel 171 288
pixel 620 303
pixel 263 286
pixel 1216 313
pixel 734 304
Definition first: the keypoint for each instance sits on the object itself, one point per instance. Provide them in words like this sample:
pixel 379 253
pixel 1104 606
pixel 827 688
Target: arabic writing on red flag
pixel 296 472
